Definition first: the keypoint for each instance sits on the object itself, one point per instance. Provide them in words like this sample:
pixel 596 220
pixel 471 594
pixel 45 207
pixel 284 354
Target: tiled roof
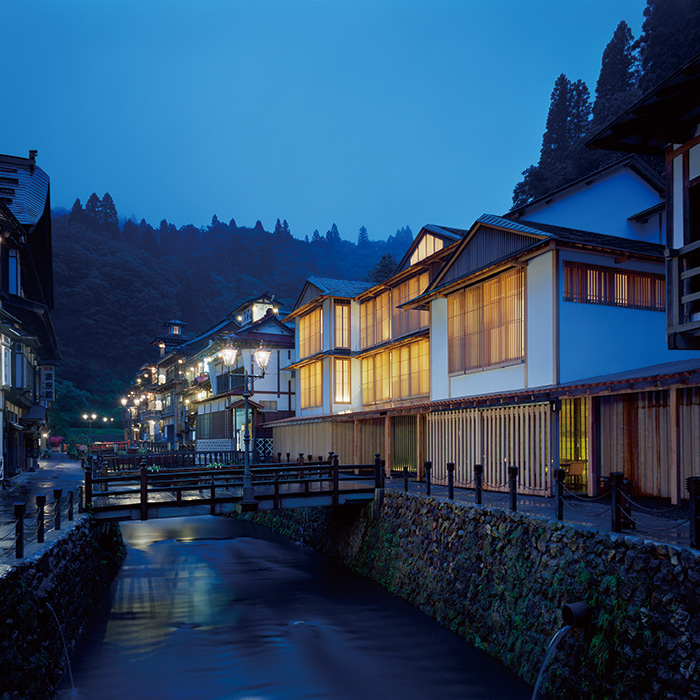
pixel 340 288
pixel 24 188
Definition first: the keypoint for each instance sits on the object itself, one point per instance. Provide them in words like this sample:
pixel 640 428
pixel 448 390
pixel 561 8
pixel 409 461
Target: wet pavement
pixel 58 472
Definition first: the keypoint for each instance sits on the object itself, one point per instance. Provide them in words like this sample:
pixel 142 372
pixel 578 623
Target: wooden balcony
pixel 683 297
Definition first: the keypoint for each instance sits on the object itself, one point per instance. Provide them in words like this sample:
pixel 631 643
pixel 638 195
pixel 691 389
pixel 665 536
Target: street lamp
pixel 261 358
pixel 89 417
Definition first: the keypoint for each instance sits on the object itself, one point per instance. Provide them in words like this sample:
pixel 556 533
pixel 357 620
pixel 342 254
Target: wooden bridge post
pixel 212 508
pixel 57 508
pixel 336 480
pixel 144 492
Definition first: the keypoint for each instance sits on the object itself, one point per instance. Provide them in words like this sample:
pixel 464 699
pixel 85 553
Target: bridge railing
pixel 223 485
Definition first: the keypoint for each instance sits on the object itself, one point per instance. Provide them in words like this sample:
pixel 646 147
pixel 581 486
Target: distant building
pixel 29 347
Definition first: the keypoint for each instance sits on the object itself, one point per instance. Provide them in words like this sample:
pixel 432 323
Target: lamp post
pixel 89 417
pixel 261 357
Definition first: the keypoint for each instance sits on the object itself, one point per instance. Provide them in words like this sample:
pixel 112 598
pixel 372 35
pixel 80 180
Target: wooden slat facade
pixel 636 438
pixel 496 437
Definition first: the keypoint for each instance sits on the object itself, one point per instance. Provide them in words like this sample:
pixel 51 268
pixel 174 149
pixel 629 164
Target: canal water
pixel 209 608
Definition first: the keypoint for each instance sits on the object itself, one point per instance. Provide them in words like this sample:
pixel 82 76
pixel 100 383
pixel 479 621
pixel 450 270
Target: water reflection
pixel 219 609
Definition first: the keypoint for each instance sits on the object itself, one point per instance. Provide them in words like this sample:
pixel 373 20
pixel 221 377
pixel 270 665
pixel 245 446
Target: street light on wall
pixel 261 358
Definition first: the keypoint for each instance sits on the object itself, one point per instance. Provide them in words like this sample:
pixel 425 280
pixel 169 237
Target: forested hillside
pixel 116 284
pixel 670 37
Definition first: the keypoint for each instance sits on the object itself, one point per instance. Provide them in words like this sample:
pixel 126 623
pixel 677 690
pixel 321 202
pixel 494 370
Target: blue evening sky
pixel 380 113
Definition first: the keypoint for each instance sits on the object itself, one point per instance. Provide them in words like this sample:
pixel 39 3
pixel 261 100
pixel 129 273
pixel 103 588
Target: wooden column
pixel 388 457
pixel 419 447
pixel 675 481
pixel 356 442
pixel 593 432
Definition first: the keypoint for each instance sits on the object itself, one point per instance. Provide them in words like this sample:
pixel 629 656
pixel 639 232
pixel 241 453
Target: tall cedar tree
pixel 108 212
pixel 617 86
pixel 670 37
pixel 562 142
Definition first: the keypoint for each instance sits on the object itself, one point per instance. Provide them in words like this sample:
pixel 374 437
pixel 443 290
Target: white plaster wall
pixel 677 238
pixel 603 206
pixel 326 325
pixel 539 321
pixel 489 381
pixel 439 377
pixel 596 340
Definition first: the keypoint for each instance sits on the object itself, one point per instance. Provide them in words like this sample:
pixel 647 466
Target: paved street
pixel 59 472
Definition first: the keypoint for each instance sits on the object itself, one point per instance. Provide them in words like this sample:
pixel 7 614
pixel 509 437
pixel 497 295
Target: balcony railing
pixel 683 285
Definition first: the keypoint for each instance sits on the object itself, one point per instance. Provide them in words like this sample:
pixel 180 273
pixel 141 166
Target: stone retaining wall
pixel 499 580
pixel 73 574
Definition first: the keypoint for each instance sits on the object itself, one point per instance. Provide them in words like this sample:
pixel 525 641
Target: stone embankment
pixel 73 575
pixel 499 580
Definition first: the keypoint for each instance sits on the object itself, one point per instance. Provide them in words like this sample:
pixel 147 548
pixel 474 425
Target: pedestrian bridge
pixel 145 494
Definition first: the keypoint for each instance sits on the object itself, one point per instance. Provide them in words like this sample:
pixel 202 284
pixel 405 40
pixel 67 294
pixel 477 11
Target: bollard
pixel 19 530
pixel 383 464
pixel 336 481
pixel 405 478
pixel 301 458
pixel 559 475
pixel 377 472
pixel 428 466
pixel 40 526
pixel 479 482
pixel 513 476
pixel 279 457
pixel 57 508
pixel 451 480
pixel 693 484
pixel 616 479
pixel 70 506
pixel 144 491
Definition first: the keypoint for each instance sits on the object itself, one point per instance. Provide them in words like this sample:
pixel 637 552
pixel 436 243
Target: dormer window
pixel 426 247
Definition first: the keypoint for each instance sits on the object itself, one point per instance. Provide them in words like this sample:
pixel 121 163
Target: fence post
pixel 451 480
pixel 144 491
pixel 559 475
pixel 336 481
pixel 377 472
pixel 479 482
pixel 40 526
pixel 405 478
pixel 19 530
pixel 277 490
pixel 88 488
pixel 81 497
pixel 428 468
pixel 616 479
pixel 70 506
pixel 57 508
pixel 212 507
pixel 513 476
pixel 693 485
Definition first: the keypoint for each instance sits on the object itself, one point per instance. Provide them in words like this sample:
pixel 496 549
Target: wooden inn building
pixel 535 339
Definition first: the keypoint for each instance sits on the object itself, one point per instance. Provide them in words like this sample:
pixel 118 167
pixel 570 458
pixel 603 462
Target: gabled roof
pixel 494 240
pixel 631 162
pixel 667 114
pixel 339 288
pixel 318 288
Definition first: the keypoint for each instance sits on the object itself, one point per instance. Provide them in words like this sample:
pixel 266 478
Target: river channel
pixel 211 608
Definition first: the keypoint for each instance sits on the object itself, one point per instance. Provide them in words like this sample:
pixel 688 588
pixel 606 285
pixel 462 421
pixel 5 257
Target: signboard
pixel 48 391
